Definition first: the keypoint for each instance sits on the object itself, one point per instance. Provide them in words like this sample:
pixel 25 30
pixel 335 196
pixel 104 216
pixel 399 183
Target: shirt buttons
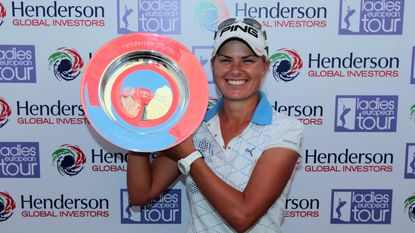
pixel 215 135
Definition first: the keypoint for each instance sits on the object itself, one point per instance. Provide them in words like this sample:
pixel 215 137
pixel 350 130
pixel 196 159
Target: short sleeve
pixel 288 134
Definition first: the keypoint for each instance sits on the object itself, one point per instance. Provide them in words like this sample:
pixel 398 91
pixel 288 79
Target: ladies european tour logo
pixel 366 113
pixel 161 16
pixel 165 209
pixel 361 206
pixel 19 160
pixel 17 64
pixel 410 161
pixel 371 17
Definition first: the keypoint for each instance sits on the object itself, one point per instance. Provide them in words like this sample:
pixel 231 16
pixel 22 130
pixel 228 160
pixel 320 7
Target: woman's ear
pixel 266 66
pixel 212 60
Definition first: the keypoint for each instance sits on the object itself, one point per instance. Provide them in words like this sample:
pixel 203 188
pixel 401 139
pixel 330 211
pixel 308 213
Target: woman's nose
pixel 236 68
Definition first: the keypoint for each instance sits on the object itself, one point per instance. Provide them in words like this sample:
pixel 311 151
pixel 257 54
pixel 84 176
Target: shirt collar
pixel 262 114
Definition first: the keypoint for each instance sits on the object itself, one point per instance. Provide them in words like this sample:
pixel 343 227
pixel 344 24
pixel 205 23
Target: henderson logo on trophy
pixel 144 92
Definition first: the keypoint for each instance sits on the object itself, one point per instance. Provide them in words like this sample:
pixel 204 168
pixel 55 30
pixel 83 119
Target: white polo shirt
pixel 235 163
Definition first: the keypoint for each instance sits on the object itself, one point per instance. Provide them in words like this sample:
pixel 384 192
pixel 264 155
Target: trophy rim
pixel 161 51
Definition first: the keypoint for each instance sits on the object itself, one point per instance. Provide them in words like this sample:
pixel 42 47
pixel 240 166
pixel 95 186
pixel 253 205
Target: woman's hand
pixel 181 150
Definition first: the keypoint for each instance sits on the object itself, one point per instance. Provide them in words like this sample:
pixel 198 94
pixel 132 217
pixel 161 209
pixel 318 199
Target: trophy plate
pixel 144 92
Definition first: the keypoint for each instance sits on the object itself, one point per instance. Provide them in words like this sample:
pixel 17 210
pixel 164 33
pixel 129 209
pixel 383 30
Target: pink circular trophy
pixel 144 92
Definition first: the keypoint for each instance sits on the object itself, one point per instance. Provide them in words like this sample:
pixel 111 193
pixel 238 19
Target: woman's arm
pixel 146 180
pixel 243 209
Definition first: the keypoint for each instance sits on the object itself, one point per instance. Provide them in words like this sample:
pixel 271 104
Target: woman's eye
pixel 225 61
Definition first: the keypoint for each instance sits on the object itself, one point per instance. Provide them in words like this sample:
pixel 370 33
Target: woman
pixel 239 163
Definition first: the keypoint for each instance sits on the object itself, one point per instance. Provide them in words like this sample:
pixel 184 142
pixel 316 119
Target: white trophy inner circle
pixel 159 100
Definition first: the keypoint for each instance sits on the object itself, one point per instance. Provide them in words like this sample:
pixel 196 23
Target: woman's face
pixel 237 71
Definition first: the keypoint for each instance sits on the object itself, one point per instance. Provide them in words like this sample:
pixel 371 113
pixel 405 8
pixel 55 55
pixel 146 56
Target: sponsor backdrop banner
pixel 345 68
